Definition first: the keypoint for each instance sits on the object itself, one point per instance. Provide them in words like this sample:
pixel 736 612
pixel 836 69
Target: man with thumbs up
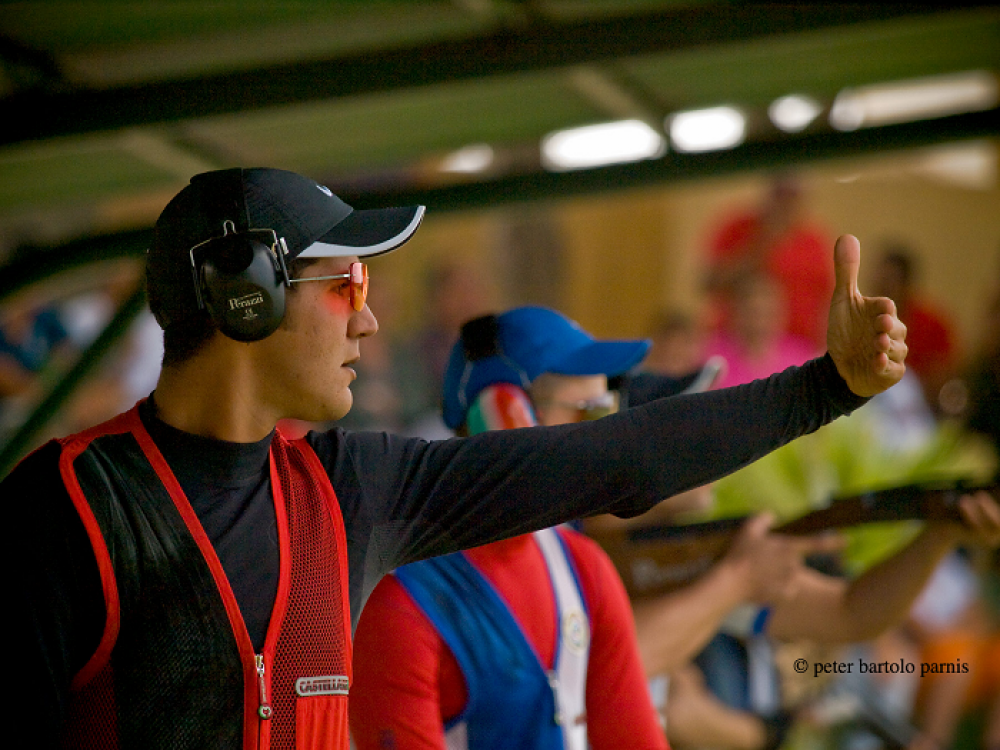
pixel 190 524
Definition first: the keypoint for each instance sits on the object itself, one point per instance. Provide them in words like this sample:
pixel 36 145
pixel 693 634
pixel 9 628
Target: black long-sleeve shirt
pixel 402 499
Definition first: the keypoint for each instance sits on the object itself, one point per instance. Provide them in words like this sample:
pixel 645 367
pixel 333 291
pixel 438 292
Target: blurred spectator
pixel 951 626
pixel 130 371
pixel 779 239
pixel 482 648
pixel 729 697
pixel 755 342
pixel 677 348
pixel 983 380
pixel 956 621
pixel 31 332
pixel 930 337
pixel 32 336
pixel 900 419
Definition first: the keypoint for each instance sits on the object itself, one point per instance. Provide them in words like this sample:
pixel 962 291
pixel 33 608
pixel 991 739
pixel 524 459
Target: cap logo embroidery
pixel 326 685
pixel 325 190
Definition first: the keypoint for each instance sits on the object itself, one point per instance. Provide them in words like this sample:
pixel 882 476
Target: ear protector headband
pixel 481 347
pixel 240 278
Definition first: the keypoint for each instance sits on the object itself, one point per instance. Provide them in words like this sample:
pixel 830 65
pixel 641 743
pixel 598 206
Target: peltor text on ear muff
pixel 242 286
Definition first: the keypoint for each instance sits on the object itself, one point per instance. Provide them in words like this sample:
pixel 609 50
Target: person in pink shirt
pixel 756 343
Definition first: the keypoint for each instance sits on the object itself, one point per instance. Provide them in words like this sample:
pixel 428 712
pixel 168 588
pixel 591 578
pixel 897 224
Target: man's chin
pixel 327 412
pixel 340 408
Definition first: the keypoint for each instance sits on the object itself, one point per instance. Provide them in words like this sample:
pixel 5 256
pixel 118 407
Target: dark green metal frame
pixel 34 265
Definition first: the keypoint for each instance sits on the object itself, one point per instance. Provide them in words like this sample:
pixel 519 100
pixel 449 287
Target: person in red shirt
pixel 426 680
pixel 778 239
pixel 933 349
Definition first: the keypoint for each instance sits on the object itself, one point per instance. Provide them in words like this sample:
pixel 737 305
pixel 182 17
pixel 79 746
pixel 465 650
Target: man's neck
pixel 213 398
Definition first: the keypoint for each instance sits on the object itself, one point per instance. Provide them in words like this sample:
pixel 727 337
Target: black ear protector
pixel 240 280
pixel 481 338
pixel 240 276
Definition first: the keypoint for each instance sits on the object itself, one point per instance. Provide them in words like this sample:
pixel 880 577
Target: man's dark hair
pixel 183 339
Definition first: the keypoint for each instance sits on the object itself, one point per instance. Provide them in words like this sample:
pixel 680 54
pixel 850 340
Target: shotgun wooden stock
pixel 656 559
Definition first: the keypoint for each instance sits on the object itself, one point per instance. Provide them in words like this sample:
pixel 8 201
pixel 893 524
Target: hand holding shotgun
pixel 685 580
pixel 657 558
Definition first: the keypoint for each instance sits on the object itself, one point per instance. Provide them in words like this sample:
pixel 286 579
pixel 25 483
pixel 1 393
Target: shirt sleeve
pixel 642 387
pixel 409 499
pixel 396 698
pixel 620 711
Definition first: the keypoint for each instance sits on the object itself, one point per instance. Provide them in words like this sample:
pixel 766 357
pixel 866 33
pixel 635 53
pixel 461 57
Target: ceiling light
pixel 711 129
pixel 969 165
pixel 916 99
pixel 600 145
pixel 794 113
pixel 469 160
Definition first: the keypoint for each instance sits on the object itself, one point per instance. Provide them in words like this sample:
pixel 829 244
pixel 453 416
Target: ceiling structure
pixel 109 106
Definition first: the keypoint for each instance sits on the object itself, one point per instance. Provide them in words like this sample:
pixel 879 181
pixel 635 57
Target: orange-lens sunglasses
pixel 357 272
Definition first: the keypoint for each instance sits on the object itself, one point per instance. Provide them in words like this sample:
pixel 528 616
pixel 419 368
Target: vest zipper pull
pixel 264 710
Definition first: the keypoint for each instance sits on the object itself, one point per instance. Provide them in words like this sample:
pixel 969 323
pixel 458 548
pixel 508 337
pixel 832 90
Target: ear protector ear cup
pixel 242 287
pixel 481 338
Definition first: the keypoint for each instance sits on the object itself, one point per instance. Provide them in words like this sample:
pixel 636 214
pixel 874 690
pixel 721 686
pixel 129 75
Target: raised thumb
pixel 846 262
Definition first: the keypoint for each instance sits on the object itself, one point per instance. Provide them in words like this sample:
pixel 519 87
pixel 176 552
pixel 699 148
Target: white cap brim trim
pixel 331 250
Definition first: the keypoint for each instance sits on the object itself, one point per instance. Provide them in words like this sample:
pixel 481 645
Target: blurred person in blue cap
pixel 528 641
pixel 520 346
pixel 191 525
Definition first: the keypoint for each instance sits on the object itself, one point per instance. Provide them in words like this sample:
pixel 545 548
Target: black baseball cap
pixel 306 217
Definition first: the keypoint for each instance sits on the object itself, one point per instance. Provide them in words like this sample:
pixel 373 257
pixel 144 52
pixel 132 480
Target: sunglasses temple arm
pixel 281 250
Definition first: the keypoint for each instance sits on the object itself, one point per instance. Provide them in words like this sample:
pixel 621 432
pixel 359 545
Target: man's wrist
pixel 731 580
pixel 839 393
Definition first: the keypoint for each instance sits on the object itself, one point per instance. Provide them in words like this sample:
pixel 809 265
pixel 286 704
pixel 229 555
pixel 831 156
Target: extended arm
pixel 626 463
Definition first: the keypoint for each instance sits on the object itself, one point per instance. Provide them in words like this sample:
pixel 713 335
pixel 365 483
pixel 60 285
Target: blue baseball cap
pixel 521 344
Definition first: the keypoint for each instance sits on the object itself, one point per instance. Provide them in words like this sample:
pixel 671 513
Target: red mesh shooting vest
pixel 175 667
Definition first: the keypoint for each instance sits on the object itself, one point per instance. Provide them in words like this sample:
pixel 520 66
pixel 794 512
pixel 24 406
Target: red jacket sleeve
pixel 405 678
pixel 620 712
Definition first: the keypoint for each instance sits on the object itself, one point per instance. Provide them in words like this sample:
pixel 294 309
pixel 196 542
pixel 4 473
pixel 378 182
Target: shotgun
pixel 658 558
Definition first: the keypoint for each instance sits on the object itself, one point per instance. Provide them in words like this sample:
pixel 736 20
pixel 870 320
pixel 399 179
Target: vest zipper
pixel 264 710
